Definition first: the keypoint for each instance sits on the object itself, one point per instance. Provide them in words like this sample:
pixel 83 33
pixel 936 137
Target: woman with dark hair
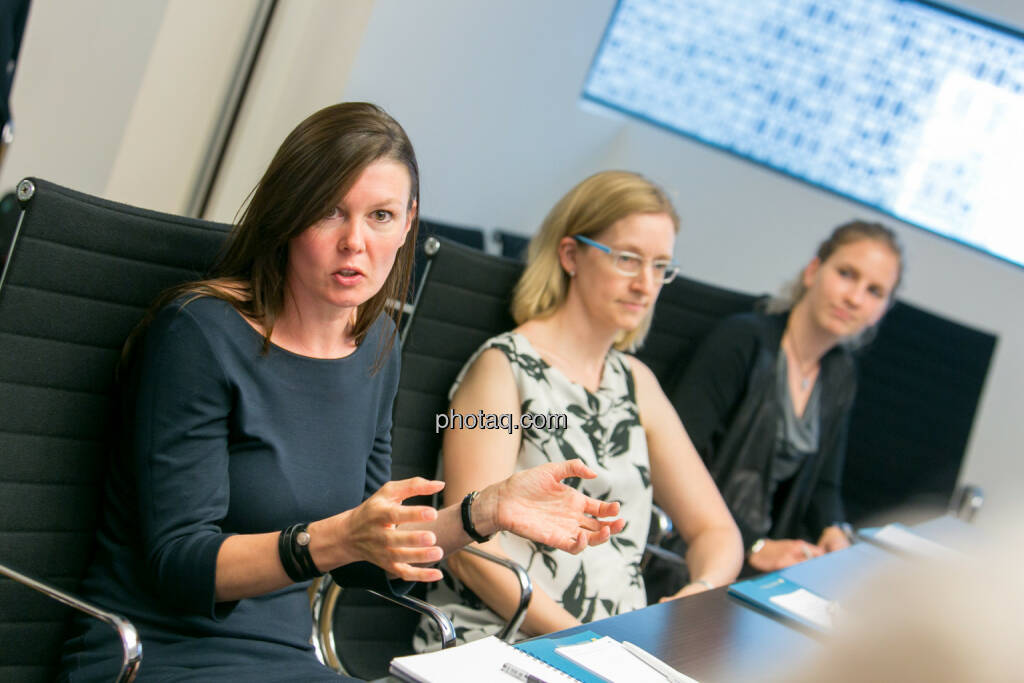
pixel 594 271
pixel 767 397
pixel 255 453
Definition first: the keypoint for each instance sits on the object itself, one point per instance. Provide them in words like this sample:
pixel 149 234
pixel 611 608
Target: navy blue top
pixel 221 439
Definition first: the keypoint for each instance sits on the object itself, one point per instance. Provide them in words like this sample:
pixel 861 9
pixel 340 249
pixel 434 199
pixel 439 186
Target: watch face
pixel 302 538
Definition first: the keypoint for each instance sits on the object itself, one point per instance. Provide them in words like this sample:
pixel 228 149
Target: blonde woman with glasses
pixel 585 299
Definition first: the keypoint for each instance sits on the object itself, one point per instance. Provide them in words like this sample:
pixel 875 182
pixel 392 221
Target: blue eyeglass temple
pixel 586 240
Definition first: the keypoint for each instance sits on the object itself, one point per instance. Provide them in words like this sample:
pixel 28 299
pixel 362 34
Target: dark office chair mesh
pixel 512 245
pixel 81 274
pixel 686 311
pixel 9 212
pixel 920 382
pixel 464 301
pixel 471 237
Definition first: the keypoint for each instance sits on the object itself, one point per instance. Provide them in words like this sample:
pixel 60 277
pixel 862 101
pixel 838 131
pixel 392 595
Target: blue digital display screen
pixel 912 108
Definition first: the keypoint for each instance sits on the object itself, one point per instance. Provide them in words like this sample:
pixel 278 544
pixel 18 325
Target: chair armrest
pixel 324 598
pixel 966 501
pixel 525 590
pixel 661 526
pixel 130 645
pixel 651 550
pixel 661 529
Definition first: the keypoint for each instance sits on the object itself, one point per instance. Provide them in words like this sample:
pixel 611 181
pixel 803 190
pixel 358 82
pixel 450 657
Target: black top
pixel 220 439
pixel 729 404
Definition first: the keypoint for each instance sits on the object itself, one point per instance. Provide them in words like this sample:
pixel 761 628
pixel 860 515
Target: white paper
pixel 901 538
pixel 806 604
pixel 476 662
pixel 609 659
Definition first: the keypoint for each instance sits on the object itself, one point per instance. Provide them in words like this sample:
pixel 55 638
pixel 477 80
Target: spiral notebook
pixel 477 662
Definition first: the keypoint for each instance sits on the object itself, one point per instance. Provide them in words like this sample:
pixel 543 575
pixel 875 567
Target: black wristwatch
pixel 467 518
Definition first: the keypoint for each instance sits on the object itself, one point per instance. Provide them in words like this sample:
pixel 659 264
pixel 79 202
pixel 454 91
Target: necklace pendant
pixel 805 382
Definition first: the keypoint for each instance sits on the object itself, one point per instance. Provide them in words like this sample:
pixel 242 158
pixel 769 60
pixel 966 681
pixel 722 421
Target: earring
pixel 572 273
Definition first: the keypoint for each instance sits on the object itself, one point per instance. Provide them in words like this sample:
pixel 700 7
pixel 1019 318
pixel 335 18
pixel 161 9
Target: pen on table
pixel 661 667
pixel 516 672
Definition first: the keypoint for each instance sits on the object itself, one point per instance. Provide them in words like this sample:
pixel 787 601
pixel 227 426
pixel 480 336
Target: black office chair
pixel 82 271
pixel 512 245
pixel 9 212
pixel 919 386
pixel 686 312
pixel 471 237
pixel 461 301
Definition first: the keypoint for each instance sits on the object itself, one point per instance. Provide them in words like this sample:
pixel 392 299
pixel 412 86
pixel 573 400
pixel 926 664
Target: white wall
pixel 489 93
pixel 80 67
pixel 119 98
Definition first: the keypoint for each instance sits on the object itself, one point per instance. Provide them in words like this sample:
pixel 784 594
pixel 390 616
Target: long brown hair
pixel 315 165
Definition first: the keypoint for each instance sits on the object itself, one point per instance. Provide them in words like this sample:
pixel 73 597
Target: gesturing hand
pixel 536 505
pixel 369 532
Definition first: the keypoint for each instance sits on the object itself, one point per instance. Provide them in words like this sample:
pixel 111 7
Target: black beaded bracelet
pixel 467 519
pixel 293 548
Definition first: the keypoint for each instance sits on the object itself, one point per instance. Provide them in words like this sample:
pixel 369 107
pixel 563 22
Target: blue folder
pixel 760 591
pixel 544 650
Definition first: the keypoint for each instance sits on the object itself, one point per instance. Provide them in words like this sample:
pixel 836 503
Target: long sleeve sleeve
pixel 826 504
pixel 180 449
pixel 713 384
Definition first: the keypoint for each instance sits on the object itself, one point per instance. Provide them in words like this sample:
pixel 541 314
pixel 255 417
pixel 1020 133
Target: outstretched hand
pixel 371 530
pixel 536 505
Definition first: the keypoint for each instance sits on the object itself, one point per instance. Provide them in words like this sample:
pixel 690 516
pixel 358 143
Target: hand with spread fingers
pixel 383 531
pixel 537 505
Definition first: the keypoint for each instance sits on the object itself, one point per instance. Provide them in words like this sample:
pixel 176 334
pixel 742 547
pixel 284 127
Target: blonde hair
pixel 588 209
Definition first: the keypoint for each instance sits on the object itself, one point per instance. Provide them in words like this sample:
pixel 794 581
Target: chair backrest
pixel 9 212
pixel 82 272
pixel 512 245
pixel 463 301
pixel 471 237
pixel 686 311
pixel 920 383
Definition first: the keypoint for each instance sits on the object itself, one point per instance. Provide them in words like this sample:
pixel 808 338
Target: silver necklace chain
pixel 805 376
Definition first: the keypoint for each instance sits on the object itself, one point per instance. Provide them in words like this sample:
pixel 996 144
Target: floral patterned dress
pixel 604 431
